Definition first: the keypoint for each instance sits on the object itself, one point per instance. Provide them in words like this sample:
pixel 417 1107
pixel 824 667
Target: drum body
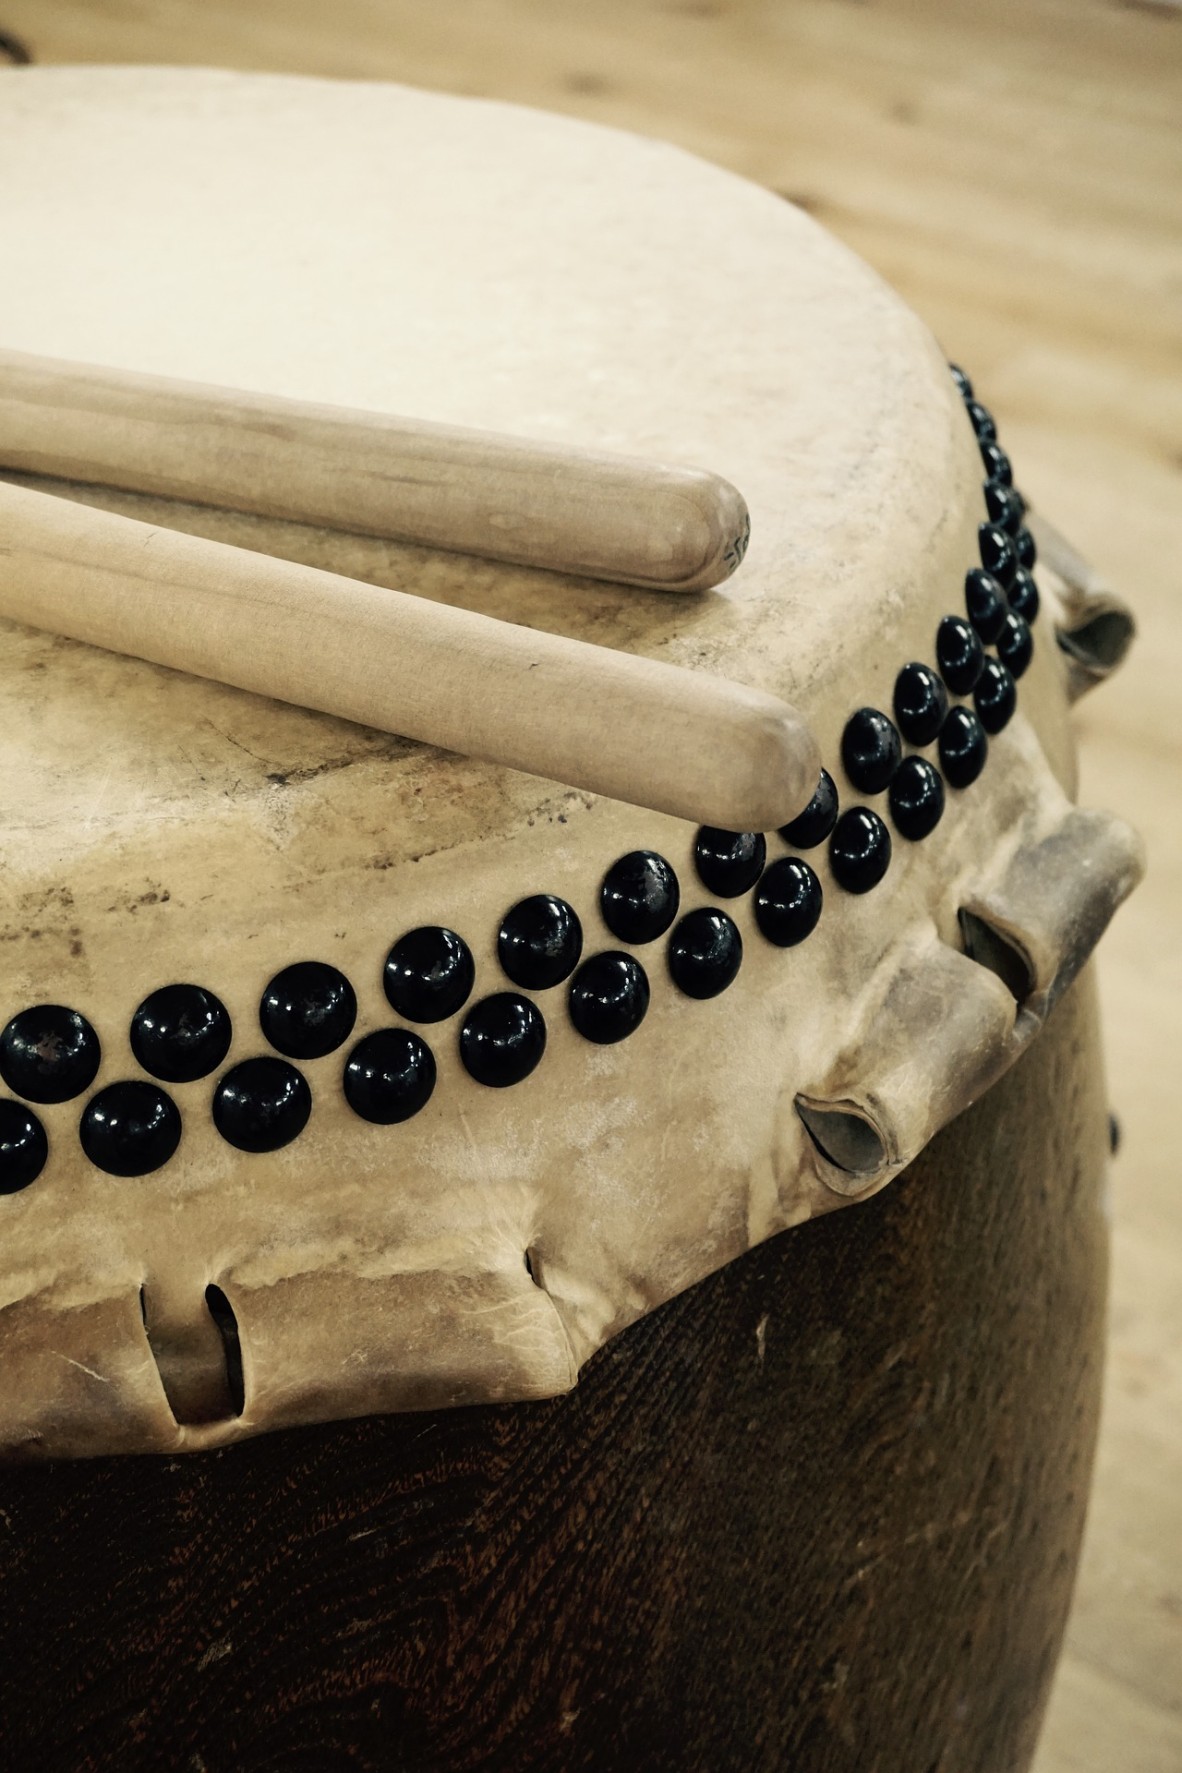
pixel 821 1244
pixel 820 1512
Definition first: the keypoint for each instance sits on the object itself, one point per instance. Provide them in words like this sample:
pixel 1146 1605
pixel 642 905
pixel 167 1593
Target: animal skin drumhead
pixel 731 1032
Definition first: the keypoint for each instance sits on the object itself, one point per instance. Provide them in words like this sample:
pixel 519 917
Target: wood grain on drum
pixel 535 503
pixel 676 741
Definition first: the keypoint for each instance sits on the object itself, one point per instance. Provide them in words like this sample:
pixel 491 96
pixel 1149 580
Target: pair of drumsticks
pixel 657 735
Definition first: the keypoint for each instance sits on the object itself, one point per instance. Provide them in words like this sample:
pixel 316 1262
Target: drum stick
pixel 472 492
pixel 657 735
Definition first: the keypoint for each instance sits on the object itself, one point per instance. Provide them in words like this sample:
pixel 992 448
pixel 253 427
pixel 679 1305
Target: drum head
pixel 483 265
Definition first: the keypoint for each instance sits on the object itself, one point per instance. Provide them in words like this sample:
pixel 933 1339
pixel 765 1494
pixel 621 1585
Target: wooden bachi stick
pixel 472 492
pixel 657 735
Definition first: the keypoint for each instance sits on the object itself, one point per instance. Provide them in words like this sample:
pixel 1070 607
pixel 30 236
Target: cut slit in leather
pixel 197 1353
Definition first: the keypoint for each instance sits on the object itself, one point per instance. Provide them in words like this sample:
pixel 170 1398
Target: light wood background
pixel 1015 169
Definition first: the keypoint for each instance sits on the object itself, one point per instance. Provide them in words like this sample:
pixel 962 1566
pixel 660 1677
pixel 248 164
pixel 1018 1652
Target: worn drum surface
pixel 478 264
pixel 729 1489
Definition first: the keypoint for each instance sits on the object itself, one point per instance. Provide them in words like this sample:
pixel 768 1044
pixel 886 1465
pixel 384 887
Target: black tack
pixel 729 862
pixel 389 1076
pixel 995 697
pixel 539 942
pixel 961 380
pixel 981 420
pixel 130 1129
pixel 502 1039
pixel 870 750
pixel 429 974
pixel 819 817
pixel 859 850
pixel 997 553
pixel 997 463
pixel 49 1053
pixel 1005 506
pixel 639 897
pixel 180 1033
pixel 959 655
pixel 916 799
pixel 921 702
pixel 1015 644
pixel 609 997
pixel 788 902
pixel 1023 595
pixel 23 1146
pixel 985 602
pixel 308 1010
pixel 261 1104
pixel 705 953
pixel 963 748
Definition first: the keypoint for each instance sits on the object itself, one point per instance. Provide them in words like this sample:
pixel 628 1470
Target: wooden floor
pixel 1015 169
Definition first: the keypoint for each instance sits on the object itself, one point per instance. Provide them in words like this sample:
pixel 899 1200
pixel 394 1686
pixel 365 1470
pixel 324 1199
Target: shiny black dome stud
pixel 995 697
pixel 130 1129
pixel 181 1033
pixel 1015 644
pixel 788 902
pixel 639 897
pixel 997 464
pixel 981 420
pixel 429 974
pixel 870 750
pixel 813 826
pixel 963 748
pixel 859 850
pixel 1024 595
pixel 997 553
pixel 502 1039
pixel 961 380
pixel 959 655
pixel 389 1076
pixel 539 942
pixel 609 997
pixel 308 1010
pixel 261 1104
pixel 986 603
pixel 916 799
pixel 729 862
pixel 1005 506
pixel 705 953
pixel 1026 550
pixel 921 702
pixel 23 1146
pixel 49 1054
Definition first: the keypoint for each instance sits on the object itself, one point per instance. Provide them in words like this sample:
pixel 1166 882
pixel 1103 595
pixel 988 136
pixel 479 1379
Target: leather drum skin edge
pixel 478 264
